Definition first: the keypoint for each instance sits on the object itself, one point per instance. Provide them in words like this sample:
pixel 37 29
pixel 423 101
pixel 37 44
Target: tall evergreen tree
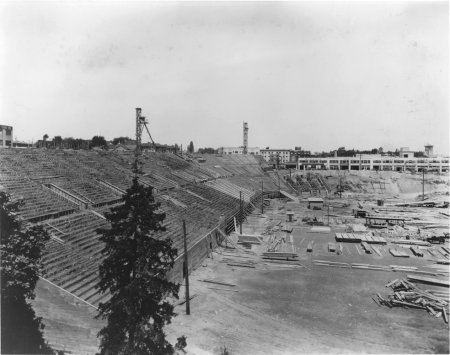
pixel 191 147
pixel 134 272
pixel 21 249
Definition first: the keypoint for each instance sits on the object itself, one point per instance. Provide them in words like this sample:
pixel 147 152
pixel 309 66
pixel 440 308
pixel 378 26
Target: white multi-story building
pixel 280 155
pixel 405 161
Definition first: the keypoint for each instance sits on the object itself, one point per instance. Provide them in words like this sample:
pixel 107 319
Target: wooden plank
pixel 428 280
pixel 241 265
pixel 222 289
pixel 218 282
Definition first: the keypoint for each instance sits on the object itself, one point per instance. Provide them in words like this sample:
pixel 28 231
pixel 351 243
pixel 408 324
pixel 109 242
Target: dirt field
pixel 276 308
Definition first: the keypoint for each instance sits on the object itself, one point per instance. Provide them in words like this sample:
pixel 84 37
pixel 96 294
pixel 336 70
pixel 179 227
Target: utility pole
pixel 423 184
pixel 186 270
pixel 279 186
pixel 328 205
pixel 242 217
pixel 262 197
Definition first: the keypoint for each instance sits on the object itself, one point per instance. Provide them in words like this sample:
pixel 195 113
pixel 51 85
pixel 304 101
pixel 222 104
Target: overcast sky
pixel 317 75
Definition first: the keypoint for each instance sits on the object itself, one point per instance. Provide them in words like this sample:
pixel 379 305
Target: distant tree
pixel 191 148
pixel 207 150
pixel 80 144
pixel 45 137
pixel 68 143
pixel 98 141
pixel 21 250
pixel 134 271
pixel 57 141
pixel 120 140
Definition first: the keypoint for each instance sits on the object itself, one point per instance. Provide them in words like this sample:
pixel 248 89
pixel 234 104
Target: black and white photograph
pixel 224 177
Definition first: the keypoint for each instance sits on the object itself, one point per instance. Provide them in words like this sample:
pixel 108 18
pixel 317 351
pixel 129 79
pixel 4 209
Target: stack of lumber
pixel 309 248
pixel 274 255
pixel 239 262
pixel 416 251
pixel 428 280
pixel 397 253
pixel 371 267
pixel 358 238
pixel 408 295
pixel 366 248
pixel 331 247
pixel 249 239
pixel 330 263
pixel 410 242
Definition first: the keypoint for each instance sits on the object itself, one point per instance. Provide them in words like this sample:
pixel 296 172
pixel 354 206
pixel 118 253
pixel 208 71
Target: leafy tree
pixel 207 150
pixel 21 249
pixel 121 140
pixel 57 141
pixel 134 271
pixel 191 148
pixel 45 137
pixel 98 141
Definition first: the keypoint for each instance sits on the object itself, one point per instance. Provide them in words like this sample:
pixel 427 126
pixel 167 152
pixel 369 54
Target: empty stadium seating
pixel 203 192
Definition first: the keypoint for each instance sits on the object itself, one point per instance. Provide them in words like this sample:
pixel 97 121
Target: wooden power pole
pixel 186 270
pixel 241 212
pixel 423 184
pixel 262 197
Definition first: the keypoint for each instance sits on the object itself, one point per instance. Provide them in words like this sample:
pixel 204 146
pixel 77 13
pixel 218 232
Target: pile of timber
pixel 331 247
pixel 249 239
pixel 443 261
pixel 408 295
pixel 330 263
pixel 416 251
pixel 398 253
pixel 371 267
pixel 428 280
pixel 309 248
pixel 366 248
pixel 411 242
pixel 358 238
pixel 275 255
pixel 239 263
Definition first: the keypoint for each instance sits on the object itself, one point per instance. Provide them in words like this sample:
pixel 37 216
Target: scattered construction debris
pixel 408 295
pixel 183 301
pixel 429 280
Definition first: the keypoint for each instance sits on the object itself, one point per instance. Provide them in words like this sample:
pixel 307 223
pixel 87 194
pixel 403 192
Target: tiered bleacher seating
pixel 38 201
pixel 203 194
pixel 89 190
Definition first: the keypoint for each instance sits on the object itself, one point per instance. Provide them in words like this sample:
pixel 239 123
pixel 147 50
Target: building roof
pixel 315 199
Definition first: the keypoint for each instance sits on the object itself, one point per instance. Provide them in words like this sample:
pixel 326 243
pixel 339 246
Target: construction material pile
pixel 408 295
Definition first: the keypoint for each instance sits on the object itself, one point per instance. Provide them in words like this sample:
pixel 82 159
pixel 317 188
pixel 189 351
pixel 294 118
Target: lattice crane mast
pixel 141 122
